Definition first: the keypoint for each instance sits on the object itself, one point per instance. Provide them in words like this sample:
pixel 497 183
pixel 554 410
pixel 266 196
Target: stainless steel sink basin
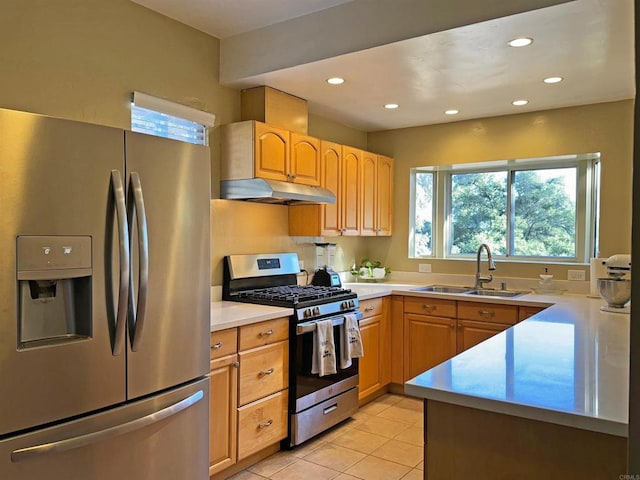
pixel 442 289
pixel 494 293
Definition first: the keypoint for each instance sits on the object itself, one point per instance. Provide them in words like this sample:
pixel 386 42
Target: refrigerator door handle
pixel 138 314
pixel 123 247
pixel 102 435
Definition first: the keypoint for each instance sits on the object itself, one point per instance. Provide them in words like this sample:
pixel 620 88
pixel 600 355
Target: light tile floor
pixel 383 441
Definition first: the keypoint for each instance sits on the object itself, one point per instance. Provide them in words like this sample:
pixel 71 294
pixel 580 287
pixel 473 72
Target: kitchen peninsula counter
pixel 546 398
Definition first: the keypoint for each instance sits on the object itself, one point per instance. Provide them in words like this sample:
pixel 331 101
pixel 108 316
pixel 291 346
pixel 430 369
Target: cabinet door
pixel 472 333
pixel 351 159
pixel 368 187
pixel 304 160
pixel 331 176
pixel 271 152
pixel 428 341
pixel 222 414
pixel 369 367
pixel 384 208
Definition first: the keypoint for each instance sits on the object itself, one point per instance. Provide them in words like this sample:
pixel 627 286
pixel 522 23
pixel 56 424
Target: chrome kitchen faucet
pixel 480 280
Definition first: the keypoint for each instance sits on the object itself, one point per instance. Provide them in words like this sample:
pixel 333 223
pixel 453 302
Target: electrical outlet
pixel 424 267
pixel 575 275
pixel 301 263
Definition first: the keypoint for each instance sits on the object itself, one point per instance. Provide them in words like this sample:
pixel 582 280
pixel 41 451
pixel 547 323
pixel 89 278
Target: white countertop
pixel 568 364
pixel 235 314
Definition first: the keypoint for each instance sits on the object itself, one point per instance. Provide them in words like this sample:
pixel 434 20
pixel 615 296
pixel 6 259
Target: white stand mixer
pixel 616 289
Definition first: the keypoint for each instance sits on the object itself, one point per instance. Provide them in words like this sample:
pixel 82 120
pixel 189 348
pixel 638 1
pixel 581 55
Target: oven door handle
pixel 336 321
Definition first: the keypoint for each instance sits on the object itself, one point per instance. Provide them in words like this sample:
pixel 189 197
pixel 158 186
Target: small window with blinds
pixel 155 116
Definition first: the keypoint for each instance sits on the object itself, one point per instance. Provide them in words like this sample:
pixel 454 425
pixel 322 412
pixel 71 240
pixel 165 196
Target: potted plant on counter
pixel 370 270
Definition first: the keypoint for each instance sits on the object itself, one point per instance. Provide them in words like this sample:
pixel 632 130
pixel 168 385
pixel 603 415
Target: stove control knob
pixel 316 310
pixel 344 306
pixel 352 303
pixel 307 313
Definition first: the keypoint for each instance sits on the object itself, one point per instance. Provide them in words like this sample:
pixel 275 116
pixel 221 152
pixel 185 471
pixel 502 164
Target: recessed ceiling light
pixel 335 80
pixel 553 79
pixel 521 42
pixel 518 103
pixel 391 106
pixel 453 111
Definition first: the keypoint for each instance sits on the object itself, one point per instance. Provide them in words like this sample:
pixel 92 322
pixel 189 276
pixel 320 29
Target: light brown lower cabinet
pixel 222 414
pixel 223 400
pixel 375 331
pixel 249 391
pixel 262 423
pixel 434 330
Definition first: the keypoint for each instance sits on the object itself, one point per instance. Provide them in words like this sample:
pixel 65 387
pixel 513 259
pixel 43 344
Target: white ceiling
pixel 470 68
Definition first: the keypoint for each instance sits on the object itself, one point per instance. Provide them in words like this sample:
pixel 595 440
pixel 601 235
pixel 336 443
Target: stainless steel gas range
pixel 315 403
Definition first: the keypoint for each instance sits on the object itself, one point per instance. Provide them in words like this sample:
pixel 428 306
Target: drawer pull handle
pixel 264 373
pixel 486 313
pixel 430 308
pixel 369 309
pixel 266 334
pixel 330 409
pixel 217 345
pixel 265 425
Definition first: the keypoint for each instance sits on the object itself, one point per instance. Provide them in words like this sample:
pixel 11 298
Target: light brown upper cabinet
pixel 350 192
pixel 363 185
pixel 340 173
pixel 254 149
pixel 304 162
pixel 271 152
pixel 377 195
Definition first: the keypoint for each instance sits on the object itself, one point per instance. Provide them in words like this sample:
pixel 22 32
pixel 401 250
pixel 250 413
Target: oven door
pixel 311 389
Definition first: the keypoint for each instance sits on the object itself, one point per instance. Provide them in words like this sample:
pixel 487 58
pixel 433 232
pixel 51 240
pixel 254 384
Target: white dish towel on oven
pixel 350 341
pixel 323 361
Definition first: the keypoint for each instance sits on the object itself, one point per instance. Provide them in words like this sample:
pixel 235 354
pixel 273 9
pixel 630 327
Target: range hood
pixel 274 191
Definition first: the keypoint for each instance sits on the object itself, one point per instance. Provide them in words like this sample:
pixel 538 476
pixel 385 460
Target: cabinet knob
pixel 265 425
pixel 217 345
pixel 264 373
pixel 236 364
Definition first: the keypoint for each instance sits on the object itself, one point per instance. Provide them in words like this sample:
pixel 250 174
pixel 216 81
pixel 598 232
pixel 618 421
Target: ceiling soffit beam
pixel 352 27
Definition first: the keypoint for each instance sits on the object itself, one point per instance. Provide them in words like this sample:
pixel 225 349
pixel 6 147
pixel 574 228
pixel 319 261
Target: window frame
pixel 170 120
pixel 587 205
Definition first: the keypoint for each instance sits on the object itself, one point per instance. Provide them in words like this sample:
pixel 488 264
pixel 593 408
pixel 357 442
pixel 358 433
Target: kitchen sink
pixel 442 289
pixel 494 293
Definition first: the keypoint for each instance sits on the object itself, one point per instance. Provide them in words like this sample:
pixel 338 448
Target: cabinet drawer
pixel 371 307
pixel 488 312
pixel 263 333
pixel 430 306
pixel 224 342
pixel 526 312
pixel 263 371
pixel 262 423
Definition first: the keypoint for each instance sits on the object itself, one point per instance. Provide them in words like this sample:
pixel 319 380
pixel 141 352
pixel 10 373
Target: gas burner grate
pixel 293 293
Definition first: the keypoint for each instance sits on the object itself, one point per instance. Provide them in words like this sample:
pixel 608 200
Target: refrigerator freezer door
pixel 159 438
pixel 173 344
pixel 56 188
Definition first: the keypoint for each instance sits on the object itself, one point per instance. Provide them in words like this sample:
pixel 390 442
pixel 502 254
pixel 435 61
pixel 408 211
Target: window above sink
pixel 535 210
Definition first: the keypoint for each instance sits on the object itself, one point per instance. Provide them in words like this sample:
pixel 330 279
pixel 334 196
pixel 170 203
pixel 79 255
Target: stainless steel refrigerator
pixel 104 303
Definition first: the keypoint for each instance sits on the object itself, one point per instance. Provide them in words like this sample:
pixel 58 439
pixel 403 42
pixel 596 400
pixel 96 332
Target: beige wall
pixel 605 128
pixel 81 59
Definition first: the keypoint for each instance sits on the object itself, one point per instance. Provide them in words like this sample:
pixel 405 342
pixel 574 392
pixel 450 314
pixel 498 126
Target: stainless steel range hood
pixel 274 191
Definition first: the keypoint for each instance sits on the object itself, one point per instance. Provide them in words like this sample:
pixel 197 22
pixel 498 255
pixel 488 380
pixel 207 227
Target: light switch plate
pixel 575 275
pixel 424 267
